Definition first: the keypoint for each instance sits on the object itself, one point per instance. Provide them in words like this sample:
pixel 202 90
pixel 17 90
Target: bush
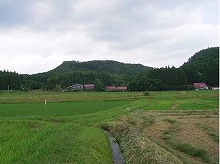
pixel 146 93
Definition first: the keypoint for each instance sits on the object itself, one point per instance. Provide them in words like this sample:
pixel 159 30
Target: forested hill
pixel 203 66
pixel 104 66
pixel 204 57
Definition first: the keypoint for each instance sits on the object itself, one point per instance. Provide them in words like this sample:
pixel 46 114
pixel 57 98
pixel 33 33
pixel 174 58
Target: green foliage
pixel 170 78
pixel 146 93
pixel 10 79
pixel 203 67
pixel 99 86
pixel 107 66
pixel 53 83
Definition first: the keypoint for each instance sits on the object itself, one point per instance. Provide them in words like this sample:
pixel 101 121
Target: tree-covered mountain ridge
pixel 205 56
pixel 104 66
pixel 203 66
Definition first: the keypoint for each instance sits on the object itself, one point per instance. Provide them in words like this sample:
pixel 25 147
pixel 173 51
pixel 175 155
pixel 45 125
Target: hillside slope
pixel 105 66
pixel 203 57
pixel 203 66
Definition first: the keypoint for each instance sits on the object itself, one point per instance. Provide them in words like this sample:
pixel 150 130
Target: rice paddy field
pixel 69 128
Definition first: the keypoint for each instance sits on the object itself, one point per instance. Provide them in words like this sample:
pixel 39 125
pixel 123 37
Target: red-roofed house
pixel 89 86
pixel 114 88
pixel 200 86
pixel 122 88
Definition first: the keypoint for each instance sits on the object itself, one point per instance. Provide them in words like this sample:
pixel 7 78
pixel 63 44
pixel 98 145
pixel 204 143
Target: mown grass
pixel 135 145
pixel 138 148
pixel 69 128
pixel 210 131
pixel 171 140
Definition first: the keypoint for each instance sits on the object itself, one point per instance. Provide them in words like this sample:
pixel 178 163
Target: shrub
pixel 146 93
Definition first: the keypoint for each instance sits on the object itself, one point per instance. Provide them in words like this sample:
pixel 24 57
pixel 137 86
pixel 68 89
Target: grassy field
pixel 69 128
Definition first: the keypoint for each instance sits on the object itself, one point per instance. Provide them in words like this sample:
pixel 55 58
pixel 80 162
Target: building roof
pixel 200 85
pixel 89 85
pixel 122 88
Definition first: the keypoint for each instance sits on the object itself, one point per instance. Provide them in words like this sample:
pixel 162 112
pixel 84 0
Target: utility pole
pixel 8 88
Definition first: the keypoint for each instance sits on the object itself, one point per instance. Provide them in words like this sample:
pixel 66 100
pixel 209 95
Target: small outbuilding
pixel 114 88
pixel 122 88
pixel 77 87
pixel 89 86
pixel 200 86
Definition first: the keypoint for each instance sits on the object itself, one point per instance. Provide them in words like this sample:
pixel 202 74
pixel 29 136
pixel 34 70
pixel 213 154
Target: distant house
pixel 89 86
pixel 200 86
pixel 76 87
pixel 122 88
pixel 114 88
pixel 110 88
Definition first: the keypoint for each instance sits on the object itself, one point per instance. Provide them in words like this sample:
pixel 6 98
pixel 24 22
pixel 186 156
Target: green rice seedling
pixel 56 109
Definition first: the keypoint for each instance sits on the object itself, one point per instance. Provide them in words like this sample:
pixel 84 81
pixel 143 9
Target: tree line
pixel 169 78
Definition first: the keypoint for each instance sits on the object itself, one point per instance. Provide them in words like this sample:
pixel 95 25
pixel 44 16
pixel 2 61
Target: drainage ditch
pixel 116 153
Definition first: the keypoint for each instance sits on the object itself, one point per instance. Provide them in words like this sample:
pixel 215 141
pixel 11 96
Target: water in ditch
pixel 116 153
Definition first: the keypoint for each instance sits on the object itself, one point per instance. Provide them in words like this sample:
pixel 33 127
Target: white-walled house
pixel 76 87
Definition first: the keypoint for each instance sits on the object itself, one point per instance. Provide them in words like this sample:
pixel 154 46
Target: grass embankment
pixel 69 128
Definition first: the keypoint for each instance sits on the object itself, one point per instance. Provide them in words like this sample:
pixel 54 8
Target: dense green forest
pixel 201 67
pixel 106 66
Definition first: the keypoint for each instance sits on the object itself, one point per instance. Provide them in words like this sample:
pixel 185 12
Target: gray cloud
pixel 13 12
pixel 154 32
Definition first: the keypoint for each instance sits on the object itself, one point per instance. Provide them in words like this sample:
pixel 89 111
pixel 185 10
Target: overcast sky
pixel 38 35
